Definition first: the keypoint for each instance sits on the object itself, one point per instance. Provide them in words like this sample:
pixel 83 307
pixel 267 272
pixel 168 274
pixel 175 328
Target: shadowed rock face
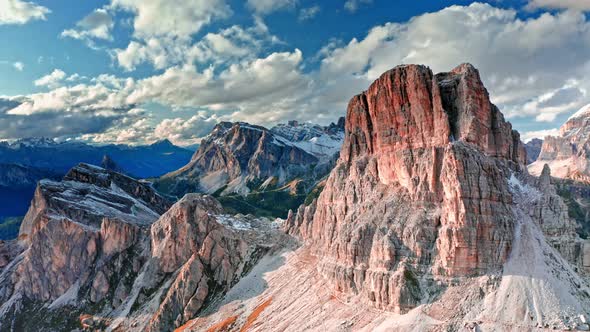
pixel 420 193
pixel 533 149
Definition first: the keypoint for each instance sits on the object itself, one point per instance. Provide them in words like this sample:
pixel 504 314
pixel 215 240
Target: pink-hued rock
pixel 568 154
pixel 420 192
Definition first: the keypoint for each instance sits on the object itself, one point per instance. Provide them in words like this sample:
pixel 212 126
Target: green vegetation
pixel 270 204
pixel 9 227
pixel 313 194
pixel 411 279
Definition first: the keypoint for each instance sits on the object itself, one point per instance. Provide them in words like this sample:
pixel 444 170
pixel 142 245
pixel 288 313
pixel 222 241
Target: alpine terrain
pixel 252 169
pixel 428 220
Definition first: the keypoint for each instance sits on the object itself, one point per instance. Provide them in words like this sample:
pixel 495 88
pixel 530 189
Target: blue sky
pixel 136 71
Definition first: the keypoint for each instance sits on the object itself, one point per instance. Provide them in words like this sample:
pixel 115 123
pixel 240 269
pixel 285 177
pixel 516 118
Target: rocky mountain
pixel 100 249
pixel 431 187
pixel 21 176
pixel 429 221
pixel 533 149
pixel 244 164
pixel 568 157
pixel 568 153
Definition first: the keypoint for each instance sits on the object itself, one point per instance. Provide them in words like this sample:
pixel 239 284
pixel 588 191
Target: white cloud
pixel 185 131
pixel 97 25
pixel 21 12
pixel 534 68
pixel 541 134
pixel 353 5
pixel 309 13
pixel 163 29
pixel 519 59
pixel 264 7
pixel 51 80
pixel 19 66
pixel 172 18
pixel 226 45
pixel 260 90
pixel 583 5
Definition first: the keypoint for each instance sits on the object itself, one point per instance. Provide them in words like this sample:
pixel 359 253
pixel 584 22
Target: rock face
pixel 568 154
pixel 80 236
pixel 253 164
pixel 533 149
pixel 107 248
pixel 423 191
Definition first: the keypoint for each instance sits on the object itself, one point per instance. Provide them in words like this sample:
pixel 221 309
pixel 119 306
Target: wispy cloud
pixel 309 13
pixel 353 5
pixel 19 66
pixel 583 5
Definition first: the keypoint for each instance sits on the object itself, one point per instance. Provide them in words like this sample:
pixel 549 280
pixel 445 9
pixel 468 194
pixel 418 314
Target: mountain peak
pixel 165 143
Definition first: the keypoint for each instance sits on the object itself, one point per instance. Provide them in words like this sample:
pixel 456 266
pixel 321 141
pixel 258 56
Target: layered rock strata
pixel 421 194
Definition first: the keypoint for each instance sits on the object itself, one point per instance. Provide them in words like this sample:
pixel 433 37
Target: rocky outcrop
pixel 239 157
pixel 422 193
pixel 568 153
pixel 81 237
pixel 533 149
pixel 253 164
pixel 94 246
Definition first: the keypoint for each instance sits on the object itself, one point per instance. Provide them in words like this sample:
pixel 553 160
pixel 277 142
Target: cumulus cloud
pixel 583 5
pixel 264 7
pixel 51 80
pixel 529 135
pixel 185 131
pixel 97 25
pixel 535 69
pixel 309 13
pixel 163 29
pixel 21 12
pixel 519 59
pixel 172 18
pixel 229 44
pixel 260 90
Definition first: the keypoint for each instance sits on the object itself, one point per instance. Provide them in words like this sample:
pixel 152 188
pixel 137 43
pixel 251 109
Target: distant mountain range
pixel 24 162
pixel 139 161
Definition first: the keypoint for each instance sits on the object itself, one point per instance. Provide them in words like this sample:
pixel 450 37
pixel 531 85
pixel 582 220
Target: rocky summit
pixel 431 192
pixel 428 221
pixel 243 164
pixel 568 154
